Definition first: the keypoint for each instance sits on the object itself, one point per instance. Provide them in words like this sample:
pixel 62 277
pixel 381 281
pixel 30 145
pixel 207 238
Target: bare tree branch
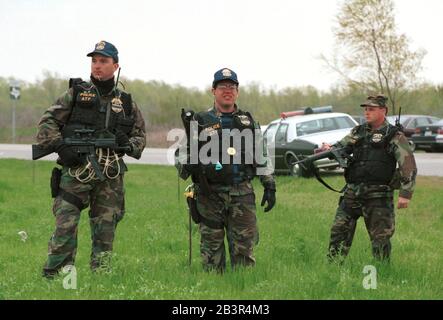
pixel 373 55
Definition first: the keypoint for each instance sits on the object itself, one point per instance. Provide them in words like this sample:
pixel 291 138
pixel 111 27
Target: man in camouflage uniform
pixel 377 148
pixel 225 199
pixel 99 106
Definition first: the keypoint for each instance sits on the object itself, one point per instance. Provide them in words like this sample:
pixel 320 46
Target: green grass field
pixel 150 258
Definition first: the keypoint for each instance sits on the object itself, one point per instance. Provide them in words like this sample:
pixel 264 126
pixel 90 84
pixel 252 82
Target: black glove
pixel 122 139
pixel 268 196
pixel 68 157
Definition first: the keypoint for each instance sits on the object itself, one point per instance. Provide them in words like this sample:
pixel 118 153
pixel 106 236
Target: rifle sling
pixel 323 182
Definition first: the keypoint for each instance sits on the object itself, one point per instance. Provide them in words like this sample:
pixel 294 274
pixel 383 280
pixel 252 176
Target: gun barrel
pixel 315 157
pixel 334 153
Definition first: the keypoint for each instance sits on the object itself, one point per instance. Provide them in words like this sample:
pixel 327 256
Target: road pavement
pixel 428 164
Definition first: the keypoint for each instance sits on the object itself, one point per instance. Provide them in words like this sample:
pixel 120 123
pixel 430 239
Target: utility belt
pixel 234 180
pixel 368 190
pixel 67 196
pixel 226 174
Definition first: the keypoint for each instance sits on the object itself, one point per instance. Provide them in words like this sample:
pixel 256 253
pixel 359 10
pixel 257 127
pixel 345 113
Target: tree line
pixel 161 103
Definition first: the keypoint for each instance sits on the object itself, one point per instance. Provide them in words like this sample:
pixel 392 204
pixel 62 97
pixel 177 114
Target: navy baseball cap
pixel 106 49
pixel 224 74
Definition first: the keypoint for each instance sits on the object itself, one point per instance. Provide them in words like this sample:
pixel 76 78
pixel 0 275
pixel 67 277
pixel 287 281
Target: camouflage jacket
pixel 407 168
pixel 56 116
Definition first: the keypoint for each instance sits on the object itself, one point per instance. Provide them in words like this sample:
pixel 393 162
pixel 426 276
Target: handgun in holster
pixel 55 181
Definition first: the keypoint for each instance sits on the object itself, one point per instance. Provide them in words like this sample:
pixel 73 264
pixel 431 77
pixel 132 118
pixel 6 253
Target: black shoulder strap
pixel 359 128
pixel 392 132
pixel 205 117
pixel 127 102
pixel 249 116
pixel 76 85
pixel 74 81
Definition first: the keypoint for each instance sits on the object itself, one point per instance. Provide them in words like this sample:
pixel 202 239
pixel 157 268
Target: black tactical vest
pixel 373 160
pixel 89 111
pixel 210 123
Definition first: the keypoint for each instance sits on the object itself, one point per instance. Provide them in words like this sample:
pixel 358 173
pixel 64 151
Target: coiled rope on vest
pixel 109 164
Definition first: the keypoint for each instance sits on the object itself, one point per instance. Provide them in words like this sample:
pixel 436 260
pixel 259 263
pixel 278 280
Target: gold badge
pixel 100 45
pixel 245 120
pixel 377 137
pixel 226 73
pixel 210 131
pixel 231 151
pixel 117 105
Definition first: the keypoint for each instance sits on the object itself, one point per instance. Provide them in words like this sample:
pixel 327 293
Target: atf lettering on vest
pixel 91 112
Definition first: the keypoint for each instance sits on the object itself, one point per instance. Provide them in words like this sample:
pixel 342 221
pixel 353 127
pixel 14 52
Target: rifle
pixel 397 121
pixel 197 177
pixel 84 143
pixel 339 154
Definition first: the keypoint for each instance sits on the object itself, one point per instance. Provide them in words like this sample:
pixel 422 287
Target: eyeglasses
pixel 227 86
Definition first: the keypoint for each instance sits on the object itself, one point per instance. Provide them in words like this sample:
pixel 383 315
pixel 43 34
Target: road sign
pixel 14 92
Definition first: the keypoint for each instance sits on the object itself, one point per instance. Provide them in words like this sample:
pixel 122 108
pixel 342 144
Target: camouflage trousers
pixel 106 208
pixel 379 217
pixel 231 212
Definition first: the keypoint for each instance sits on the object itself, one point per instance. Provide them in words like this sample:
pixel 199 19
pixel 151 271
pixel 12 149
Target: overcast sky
pixel 275 42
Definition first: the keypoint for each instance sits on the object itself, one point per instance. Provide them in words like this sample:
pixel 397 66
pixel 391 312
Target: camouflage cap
pixel 375 101
pixel 224 74
pixel 106 49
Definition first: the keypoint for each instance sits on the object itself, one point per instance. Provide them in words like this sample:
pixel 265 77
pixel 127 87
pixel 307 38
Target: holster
pixel 55 182
pixel 193 211
pixel 192 206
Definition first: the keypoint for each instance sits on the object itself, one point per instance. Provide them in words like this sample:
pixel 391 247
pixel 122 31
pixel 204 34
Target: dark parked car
pixel 429 137
pixel 411 121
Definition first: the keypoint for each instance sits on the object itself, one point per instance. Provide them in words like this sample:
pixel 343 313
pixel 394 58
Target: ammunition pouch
pixel 55 182
pixel 119 215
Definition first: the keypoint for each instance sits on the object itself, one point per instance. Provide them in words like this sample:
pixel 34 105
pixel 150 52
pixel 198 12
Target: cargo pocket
pixel 121 208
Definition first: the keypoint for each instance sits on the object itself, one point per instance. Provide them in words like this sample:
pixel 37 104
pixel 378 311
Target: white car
pixel 296 137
